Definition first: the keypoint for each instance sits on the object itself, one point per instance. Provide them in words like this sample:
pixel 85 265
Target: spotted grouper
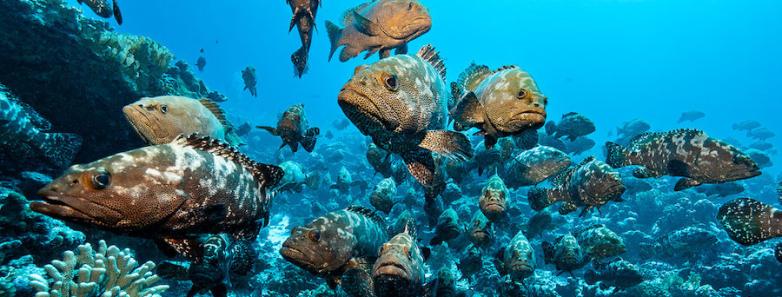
pixel 336 242
pixel 170 192
pixel 399 269
pixel 749 221
pixel 293 128
pixel 400 102
pixel 691 154
pixel 103 9
pixel 500 103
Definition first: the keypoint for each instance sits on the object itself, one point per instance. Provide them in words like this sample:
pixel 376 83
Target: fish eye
pixel 410 5
pixel 409 252
pixel 522 94
pixel 164 108
pixel 391 83
pixel 101 180
pixel 314 235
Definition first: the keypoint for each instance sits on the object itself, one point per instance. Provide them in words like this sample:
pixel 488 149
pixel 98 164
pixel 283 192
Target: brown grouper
pixel 399 269
pixel 749 221
pixel 400 102
pixel 171 192
pixel 379 26
pixel 336 243
pixel 294 129
pixel 103 9
pixel 691 154
pixel 304 12
pixel 500 103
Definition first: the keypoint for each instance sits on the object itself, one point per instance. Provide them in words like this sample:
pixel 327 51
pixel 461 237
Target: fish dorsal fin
pixel 688 132
pixel 431 55
pixel 216 110
pixel 578 232
pixel 560 177
pixel 572 113
pixel 473 76
pixel 506 67
pixel 643 138
pixel 585 161
pixel 35 118
pixel 348 17
pixel 366 212
pixel 266 175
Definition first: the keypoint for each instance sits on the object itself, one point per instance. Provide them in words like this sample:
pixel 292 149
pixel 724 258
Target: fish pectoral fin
pixel 184 246
pixel 365 26
pixel 385 53
pixel 447 143
pixel 643 172
pixel 422 167
pixel 271 130
pixel 686 183
pixel 402 49
pixel 567 208
pixel 117 12
pixel 469 111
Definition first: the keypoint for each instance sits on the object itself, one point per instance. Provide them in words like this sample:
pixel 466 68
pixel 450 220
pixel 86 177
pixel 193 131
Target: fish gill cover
pixel 598 148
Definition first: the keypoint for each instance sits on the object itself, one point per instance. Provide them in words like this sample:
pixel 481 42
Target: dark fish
pixel 104 9
pixel 500 103
pixel 447 227
pixel 329 135
pixel 345 182
pixel 691 116
pixel 526 140
pixel 295 179
pixel 761 134
pixel 357 279
pixel 763 146
pixel 171 192
pixel 244 129
pixel 492 159
pixel 748 125
pixel 399 269
pixel 539 222
pixel 690 154
pixel 749 221
pixel 598 242
pixel 565 253
pixel 325 245
pixel 250 82
pixel 517 259
pixel 630 129
pixel 340 124
pixel 471 262
pixel 379 26
pixel 551 141
pixel 619 274
pixel 493 200
pixel 201 63
pixel 383 163
pixel 294 129
pixel 24 138
pixel 382 198
pixel 578 146
pixel 304 12
pixel 479 231
pixel 535 165
pixel 721 190
pixel 572 125
pixel 400 103
pixel 590 184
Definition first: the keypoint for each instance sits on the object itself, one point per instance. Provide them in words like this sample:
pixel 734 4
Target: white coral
pixel 107 272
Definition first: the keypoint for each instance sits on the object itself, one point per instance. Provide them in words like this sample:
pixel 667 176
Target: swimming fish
pixel 340 124
pixel 690 154
pixel 382 198
pixel 379 26
pixel 533 166
pixel 590 184
pixel 201 62
pixel 494 198
pixel 400 103
pixel 25 140
pixel 399 268
pixel 480 231
pixel 749 221
pixel 212 273
pixel 691 116
pixel 630 129
pixel 327 244
pixel 721 190
pixel 447 227
pixel 295 179
pixel 517 259
pixel 471 262
pixel 304 12
pixel 294 129
pixel 572 125
pixel 748 125
pixel 160 120
pixel 578 146
pixel 250 82
pixel 761 134
pixel 500 103
pixel 383 163
pixel 565 253
pixel 345 182
pixel 103 9
pixel 492 158
pixel 619 274
pixel 598 242
pixel 170 192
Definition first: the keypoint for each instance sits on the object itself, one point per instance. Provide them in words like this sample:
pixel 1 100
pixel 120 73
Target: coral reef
pixel 107 271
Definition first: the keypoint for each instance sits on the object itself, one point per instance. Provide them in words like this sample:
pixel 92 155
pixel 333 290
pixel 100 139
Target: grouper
pixel 171 192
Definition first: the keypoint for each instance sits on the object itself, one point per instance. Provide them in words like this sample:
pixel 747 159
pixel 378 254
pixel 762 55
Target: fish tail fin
pixel 448 143
pixel 616 155
pixel 310 139
pixel 271 130
pixel 590 276
pixel 117 12
pixel 299 59
pixel 335 34
pixel 59 148
pixel 538 198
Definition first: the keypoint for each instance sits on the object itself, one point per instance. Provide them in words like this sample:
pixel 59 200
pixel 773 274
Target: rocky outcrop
pixel 78 73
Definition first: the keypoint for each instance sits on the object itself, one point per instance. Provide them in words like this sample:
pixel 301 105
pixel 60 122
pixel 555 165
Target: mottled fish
pixel 517 259
pixel 103 9
pixel 500 103
pixel 400 103
pixel 295 179
pixel 565 253
pixel 399 268
pixel 379 26
pixel 691 116
pixel 533 166
pixel 572 125
pixel 749 221
pixel 599 242
pixel 691 154
pixel 494 198
pixel 160 120
pixel 383 197
pixel 480 231
pixel 619 274
pixel 250 82
pixel 294 129
pixel 171 192
pixel 447 227
pixel 304 12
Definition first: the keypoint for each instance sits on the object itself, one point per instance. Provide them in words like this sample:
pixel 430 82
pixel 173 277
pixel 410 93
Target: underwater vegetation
pixel 421 185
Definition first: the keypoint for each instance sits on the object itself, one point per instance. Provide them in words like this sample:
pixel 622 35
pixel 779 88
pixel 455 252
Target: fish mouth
pixel 528 118
pixel 298 258
pixel 363 115
pixel 494 207
pixel 139 121
pixel 76 209
pixel 521 267
pixel 391 269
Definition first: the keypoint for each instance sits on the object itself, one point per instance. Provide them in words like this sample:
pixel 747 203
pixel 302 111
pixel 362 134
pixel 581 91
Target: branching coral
pixel 106 272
